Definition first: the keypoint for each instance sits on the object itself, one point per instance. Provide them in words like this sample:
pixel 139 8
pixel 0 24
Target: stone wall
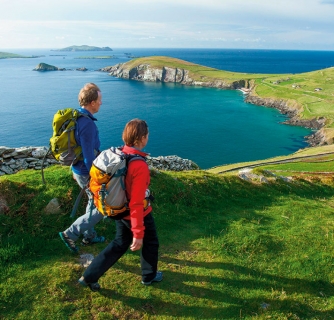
pixel 13 160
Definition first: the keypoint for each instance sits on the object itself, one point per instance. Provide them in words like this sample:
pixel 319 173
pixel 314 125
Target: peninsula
pixel 307 98
pixel 8 55
pixel 83 48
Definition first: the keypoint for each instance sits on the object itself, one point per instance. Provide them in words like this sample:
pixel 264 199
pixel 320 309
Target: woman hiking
pixel 137 230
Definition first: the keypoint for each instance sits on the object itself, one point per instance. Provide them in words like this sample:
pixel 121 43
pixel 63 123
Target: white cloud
pixel 283 24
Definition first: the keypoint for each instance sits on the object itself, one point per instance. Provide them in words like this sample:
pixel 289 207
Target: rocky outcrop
pixel 171 163
pixel 13 160
pixel 144 72
pixel 284 108
pixel 47 67
pixel 318 138
pixel 4 207
pixel 53 207
pixel 248 175
pixel 281 105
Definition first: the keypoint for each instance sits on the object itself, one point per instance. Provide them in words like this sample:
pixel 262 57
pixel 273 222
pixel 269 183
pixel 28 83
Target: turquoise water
pixel 209 126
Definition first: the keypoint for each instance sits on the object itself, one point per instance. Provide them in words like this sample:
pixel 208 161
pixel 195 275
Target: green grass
pixel 313 103
pixel 322 153
pixel 229 249
pixel 321 165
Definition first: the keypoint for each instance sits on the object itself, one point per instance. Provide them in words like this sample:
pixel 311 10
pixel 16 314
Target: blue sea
pixel 209 126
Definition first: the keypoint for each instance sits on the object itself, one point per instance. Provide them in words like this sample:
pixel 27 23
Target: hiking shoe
pixel 157 278
pixel 92 286
pixel 69 242
pixel 97 239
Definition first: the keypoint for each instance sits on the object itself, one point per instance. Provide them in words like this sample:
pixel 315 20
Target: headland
pixel 306 98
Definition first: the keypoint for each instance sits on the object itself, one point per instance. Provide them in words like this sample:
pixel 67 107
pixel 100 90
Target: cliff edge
pixel 146 72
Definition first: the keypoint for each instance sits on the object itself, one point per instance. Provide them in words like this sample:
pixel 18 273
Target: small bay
pixel 209 126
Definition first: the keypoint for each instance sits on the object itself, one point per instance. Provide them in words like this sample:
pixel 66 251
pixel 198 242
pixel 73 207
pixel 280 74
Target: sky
pixel 252 24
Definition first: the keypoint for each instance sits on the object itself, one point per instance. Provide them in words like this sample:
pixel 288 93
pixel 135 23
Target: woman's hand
pixel 136 244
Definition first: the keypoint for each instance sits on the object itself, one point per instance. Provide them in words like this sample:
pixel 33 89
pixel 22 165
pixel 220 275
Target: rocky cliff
pixel 144 72
pixel 316 139
pixel 284 108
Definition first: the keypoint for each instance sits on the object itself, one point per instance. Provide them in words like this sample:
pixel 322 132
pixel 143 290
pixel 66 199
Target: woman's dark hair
pixel 134 131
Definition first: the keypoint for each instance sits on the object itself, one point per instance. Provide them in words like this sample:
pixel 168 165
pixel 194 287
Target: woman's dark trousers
pixel 123 239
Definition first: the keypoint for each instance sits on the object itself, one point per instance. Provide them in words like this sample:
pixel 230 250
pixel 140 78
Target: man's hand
pixel 136 244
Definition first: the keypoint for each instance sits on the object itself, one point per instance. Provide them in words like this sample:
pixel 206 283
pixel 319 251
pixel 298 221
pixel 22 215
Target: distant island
pixel 129 55
pixel 8 55
pixel 47 67
pixel 97 57
pixel 83 48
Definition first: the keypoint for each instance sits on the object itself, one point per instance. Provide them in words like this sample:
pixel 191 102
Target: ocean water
pixel 209 126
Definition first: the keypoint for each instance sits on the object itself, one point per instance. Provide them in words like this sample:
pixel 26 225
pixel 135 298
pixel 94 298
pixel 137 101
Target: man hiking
pixel 87 136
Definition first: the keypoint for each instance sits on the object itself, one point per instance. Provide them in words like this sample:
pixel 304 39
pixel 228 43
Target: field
pixel 229 249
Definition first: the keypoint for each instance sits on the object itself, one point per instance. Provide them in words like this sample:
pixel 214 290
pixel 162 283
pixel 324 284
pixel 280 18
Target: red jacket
pixel 137 180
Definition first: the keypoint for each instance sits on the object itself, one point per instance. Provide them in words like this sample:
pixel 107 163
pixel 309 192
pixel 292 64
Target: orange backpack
pixel 107 185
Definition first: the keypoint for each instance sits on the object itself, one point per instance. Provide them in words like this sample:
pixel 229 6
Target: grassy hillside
pixel 302 88
pixel 310 93
pixel 229 249
pixel 197 72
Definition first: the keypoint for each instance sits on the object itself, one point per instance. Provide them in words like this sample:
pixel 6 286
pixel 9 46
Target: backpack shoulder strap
pixel 83 114
pixel 132 157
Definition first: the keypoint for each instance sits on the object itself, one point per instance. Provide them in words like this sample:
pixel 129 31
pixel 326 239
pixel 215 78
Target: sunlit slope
pixel 315 154
pixel 314 92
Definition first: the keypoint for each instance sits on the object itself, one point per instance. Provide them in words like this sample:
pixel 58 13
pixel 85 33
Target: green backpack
pixel 63 145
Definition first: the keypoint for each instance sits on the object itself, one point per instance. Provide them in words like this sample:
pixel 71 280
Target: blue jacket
pixel 87 136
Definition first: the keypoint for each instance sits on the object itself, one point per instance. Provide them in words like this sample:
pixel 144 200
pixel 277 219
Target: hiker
pixel 136 230
pixel 87 136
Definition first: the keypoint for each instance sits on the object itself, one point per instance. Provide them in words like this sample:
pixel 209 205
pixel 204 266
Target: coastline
pixel 146 72
pixel 318 138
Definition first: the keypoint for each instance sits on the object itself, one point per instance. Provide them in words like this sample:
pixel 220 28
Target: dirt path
pixel 276 162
